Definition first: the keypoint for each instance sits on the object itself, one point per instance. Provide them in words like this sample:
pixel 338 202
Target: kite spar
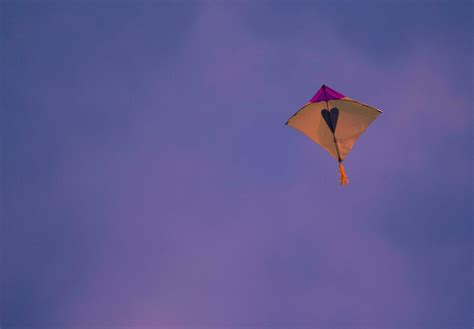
pixel 334 121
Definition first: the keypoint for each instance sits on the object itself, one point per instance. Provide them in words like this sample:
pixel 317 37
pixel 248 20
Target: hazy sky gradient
pixel 149 180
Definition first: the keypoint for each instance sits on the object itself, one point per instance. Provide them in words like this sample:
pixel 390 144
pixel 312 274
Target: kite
pixel 333 121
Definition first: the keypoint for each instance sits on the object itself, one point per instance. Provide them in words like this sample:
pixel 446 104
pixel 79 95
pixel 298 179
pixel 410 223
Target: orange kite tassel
pixel 343 180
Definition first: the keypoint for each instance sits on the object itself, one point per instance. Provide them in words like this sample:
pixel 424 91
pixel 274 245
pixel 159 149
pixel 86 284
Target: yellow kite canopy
pixel 334 121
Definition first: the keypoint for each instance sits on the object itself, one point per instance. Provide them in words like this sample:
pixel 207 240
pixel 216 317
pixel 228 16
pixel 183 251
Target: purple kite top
pixel 326 94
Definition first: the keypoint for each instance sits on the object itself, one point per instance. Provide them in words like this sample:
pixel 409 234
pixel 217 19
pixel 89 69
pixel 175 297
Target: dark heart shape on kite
pixel 331 118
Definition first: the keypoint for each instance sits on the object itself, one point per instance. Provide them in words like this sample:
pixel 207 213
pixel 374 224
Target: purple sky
pixel 148 180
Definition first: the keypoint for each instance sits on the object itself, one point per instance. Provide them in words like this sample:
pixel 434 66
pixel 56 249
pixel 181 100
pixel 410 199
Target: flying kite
pixel 333 121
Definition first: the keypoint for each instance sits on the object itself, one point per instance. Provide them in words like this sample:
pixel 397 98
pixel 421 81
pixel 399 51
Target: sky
pixel 149 181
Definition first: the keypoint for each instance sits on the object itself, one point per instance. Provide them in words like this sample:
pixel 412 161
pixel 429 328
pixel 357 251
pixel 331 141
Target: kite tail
pixel 343 180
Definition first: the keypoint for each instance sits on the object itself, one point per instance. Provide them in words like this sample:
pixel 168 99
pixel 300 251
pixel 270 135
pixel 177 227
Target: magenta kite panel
pixel 326 94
